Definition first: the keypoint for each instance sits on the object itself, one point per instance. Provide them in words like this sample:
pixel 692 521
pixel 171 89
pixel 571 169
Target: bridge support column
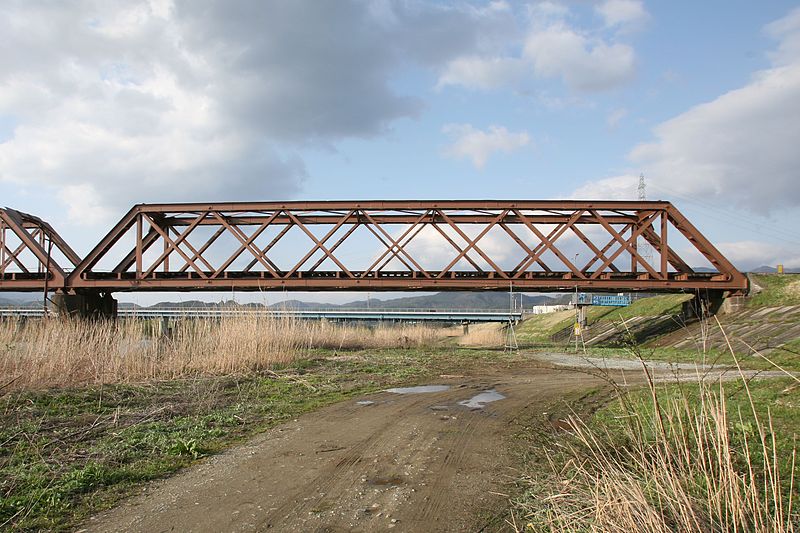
pixel 705 304
pixel 85 305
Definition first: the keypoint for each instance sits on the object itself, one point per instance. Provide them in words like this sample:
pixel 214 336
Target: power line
pixel 738 219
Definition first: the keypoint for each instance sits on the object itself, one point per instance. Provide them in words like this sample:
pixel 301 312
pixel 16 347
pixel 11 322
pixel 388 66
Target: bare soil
pixel 407 462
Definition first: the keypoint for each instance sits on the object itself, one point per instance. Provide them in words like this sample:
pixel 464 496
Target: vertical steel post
pixel 664 246
pixel 166 247
pixel 139 246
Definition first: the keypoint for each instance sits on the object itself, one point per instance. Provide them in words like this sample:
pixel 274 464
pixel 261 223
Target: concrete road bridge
pixel 453 316
pixel 546 246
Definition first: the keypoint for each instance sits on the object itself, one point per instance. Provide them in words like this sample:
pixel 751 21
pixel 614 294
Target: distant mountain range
pixel 442 300
pixel 772 270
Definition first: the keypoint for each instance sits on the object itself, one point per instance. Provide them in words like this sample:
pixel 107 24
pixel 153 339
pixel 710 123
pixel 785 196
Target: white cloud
pixel 623 187
pixel 477 145
pixel 753 254
pixel 118 102
pixel 747 254
pixel 626 13
pixel 742 146
pixel 583 64
pixel 585 61
pixel 787 32
pixel 482 73
pixel 85 204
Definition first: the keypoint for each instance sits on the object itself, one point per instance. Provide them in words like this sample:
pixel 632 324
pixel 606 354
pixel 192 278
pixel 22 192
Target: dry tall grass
pixel 676 462
pixel 484 335
pixel 60 352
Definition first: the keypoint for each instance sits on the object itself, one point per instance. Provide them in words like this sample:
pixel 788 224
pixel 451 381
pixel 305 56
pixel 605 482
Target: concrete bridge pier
pixel 88 304
pixel 709 303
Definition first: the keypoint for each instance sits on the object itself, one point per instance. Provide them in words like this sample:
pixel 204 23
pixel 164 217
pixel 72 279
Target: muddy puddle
pixel 480 400
pixel 422 389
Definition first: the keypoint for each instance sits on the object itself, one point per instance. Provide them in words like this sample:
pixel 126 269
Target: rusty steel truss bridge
pixel 544 246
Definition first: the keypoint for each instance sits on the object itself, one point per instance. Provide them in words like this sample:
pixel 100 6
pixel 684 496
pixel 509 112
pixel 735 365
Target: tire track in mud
pixel 406 463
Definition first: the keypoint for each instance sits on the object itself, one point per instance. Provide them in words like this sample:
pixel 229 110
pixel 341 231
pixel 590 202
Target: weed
pixel 691 457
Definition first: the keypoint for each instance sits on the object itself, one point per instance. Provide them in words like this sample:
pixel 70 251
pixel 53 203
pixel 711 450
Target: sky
pixel 105 104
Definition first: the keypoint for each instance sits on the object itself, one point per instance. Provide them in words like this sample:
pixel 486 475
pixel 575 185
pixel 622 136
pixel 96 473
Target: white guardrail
pixel 471 315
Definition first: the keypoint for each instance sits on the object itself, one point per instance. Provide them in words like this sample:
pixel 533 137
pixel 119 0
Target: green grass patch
pixel 68 453
pixel 539 329
pixel 667 304
pixel 777 290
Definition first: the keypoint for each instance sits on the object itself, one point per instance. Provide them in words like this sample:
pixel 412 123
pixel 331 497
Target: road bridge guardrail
pixel 405 315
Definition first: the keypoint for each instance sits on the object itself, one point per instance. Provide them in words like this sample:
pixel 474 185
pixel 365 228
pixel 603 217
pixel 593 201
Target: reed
pixel 67 352
pixel 677 458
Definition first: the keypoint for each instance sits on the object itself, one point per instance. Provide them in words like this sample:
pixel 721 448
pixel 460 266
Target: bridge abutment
pixel 707 303
pixel 85 304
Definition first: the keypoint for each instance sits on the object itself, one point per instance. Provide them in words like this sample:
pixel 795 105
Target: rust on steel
pixel 378 245
pixel 27 246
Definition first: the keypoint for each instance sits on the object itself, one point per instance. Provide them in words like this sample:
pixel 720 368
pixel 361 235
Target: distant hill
pixel 764 269
pixel 442 300
pixel 460 300
pixel 20 299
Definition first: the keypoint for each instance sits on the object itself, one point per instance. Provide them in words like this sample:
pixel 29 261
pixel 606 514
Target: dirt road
pixel 439 460
pixel 406 462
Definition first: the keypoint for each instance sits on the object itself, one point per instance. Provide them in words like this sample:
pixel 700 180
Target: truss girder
pixel 27 248
pixel 310 246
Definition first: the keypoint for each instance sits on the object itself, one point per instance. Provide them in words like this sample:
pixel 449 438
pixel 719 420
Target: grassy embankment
pixel 539 329
pixel 699 459
pixel 776 291
pixel 695 457
pixel 90 411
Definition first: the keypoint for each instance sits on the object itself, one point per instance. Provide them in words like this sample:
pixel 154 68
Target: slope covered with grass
pixel 774 290
pixel 540 328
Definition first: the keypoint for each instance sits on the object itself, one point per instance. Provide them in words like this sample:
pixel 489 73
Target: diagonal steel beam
pixel 549 243
pixel 333 248
pixel 13 257
pixel 268 247
pixel 704 246
pixel 626 245
pixel 172 245
pixel 241 237
pixel 599 255
pixel 167 238
pixel 320 244
pixel 458 248
pixel 246 244
pixel 15 221
pixel 394 244
pixel 472 243
pixel 198 254
pixel 524 247
pixel 417 231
